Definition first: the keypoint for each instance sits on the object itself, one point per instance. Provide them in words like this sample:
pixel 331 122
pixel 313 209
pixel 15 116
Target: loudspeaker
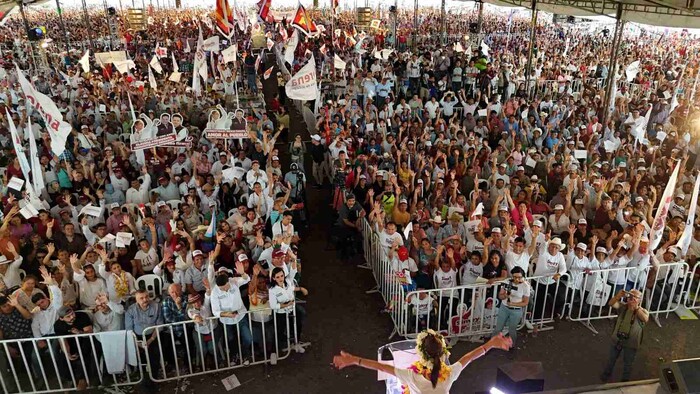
pixel 111 11
pixel 392 9
pixel 520 377
pixel 473 27
pixel 35 34
pixel 681 376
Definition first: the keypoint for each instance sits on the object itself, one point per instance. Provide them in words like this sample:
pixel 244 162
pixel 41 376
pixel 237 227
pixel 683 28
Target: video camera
pixel 510 286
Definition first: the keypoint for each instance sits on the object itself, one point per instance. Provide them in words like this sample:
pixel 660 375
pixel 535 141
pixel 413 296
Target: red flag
pixel 303 22
pixel 264 11
pixel 335 6
pixel 224 16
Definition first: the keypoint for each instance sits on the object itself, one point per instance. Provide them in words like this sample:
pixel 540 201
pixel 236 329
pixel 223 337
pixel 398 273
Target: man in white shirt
pixel 432 107
pixel 227 305
pixel 551 265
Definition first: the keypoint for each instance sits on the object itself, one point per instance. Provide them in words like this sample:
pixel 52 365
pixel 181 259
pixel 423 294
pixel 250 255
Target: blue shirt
pixel 137 319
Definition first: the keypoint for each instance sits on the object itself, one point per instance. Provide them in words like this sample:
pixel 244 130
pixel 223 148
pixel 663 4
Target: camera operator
pixel 627 335
pixel 297 179
pixel 514 296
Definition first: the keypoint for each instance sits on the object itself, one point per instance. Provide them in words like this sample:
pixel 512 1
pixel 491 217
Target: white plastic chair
pixel 231 212
pixel 174 204
pixel 153 284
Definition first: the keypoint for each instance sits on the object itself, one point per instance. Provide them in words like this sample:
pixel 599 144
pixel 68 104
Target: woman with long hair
pixel 431 374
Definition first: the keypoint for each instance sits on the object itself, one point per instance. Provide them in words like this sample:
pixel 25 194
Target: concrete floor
pixel 342 316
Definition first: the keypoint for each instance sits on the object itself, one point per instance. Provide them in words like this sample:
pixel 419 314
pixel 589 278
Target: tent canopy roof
pixel 668 13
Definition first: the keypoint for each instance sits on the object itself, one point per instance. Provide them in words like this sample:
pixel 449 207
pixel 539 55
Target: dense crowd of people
pixel 496 180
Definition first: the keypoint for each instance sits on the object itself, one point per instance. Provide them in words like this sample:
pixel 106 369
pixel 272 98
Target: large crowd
pixel 492 176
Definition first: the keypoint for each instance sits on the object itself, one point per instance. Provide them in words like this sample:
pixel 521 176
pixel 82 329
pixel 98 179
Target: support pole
pixel 63 26
pixel 479 19
pixel 614 51
pixel 87 23
pixel 443 21
pixel 533 36
pixel 415 24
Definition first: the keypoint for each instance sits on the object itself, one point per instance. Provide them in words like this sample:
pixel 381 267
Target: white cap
pixel 114 205
pixel 316 137
pixel 521 168
pixel 537 223
pixel 242 257
pixel 578 201
pixel 581 246
pixel 642 168
pixel 682 196
pixel 582 221
pixel 496 230
pixel 160 204
pixel 534 178
pixel 559 206
pixel 623 164
pixel 639 199
pixel 601 249
pixel 197 253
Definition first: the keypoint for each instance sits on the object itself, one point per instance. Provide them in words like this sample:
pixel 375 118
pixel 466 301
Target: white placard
pixel 661 136
pixel 483 113
pixel 28 211
pixel 16 183
pixel 530 162
pixel 580 154
pixel 524 113
pixel 609 146
pixel 124 239
pixel 230 53
pixel 230 382
pixel 108 238
pixel 91 211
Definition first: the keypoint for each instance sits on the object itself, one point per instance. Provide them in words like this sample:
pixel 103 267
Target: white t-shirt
pixel 514 260
pixel 471 273
pixel 387 240
pixel 548 265
pixel 422 306
pixel 418 384
pixel 148 260
pixel 445 280
pixel 520 291
pixel 403 269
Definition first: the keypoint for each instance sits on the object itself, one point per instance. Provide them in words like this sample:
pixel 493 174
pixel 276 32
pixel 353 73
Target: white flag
pixel 290 46
pixel 187 47
pixel 632 70
pixel 58 129
pixel 155 64
pixel 152 79
pixel 684 241
pixel 485 48
pixel 175 66
pixel 657 227
pixel 211 44
pixel 19 149
pixel 458 47
pixel 338 62
pixel 85 61
pixel 199 60
pixel 123 66
pixel 303 85
pixel 229 53
pixel 35 164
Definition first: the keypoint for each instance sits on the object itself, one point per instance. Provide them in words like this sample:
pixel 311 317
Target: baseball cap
pixel 639 199
pixel 114 205
pixel 537 223
pixel 277 253
pixel 403 201
pixel 559 206
pixel 601 249
pixel 64 311
pixel 582 221
pixel 316 137
pixel 496 230
pixel 197 253
pixel 581 246
pixel 160 204
pixel 275 158
pixel 242 257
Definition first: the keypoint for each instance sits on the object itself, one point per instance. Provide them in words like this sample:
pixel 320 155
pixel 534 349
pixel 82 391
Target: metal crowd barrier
pixel 180 350
pixel 43 365
pixel 471 310
pixel 668 290
pixel 692 300
pixel 388 284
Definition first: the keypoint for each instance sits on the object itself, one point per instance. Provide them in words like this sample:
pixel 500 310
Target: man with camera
pixel 628 332
pixel 514 296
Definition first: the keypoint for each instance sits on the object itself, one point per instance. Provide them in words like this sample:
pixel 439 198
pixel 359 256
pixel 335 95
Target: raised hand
pixel 240 270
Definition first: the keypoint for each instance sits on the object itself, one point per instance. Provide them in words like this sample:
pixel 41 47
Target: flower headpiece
pixel 425 358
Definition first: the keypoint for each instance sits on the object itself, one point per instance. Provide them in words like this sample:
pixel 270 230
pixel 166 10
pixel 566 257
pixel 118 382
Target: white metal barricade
pixel 189 350
pixel 65 363
pixel 663 290
pixel 388 283
pixel 692 300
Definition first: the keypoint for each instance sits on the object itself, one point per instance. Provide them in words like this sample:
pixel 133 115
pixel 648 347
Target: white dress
pixel 417 384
